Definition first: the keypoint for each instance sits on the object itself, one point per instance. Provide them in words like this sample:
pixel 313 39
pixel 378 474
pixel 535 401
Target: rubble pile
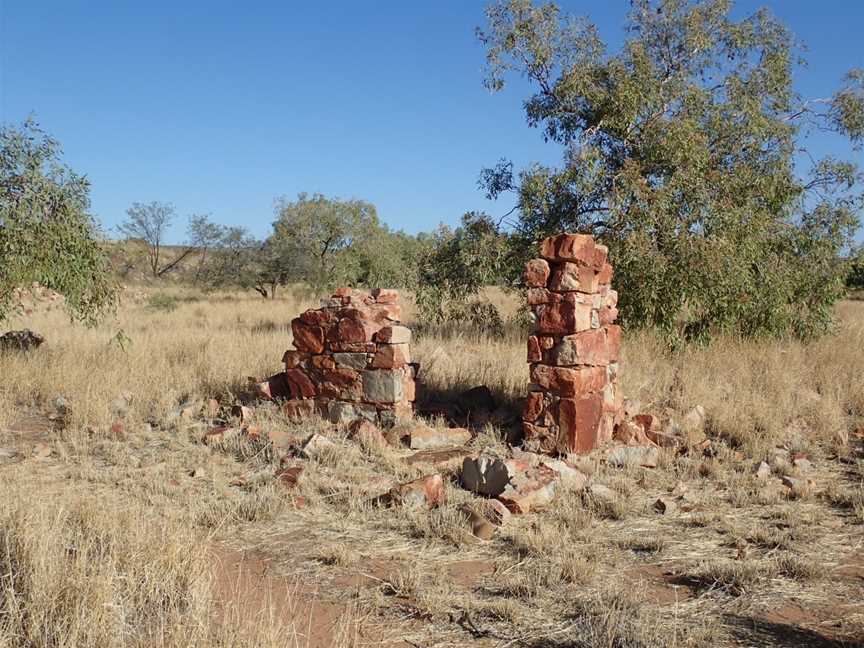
pixel 351 361
pixel 574 401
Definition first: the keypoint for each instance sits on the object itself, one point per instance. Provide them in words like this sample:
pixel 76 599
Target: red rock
pixel 289 477
pixel 354 330
pixel 578 248
pixel 569 382
pixel 600 254
pixel 567 277
pixel 529 490
pixel 563 318
pixel 323 362
pixel 584 348
pixel 538 438
pixel 242 412
pixel 427 491
pixel 536 273
pixel 318 317
pixel 300 384
pixel 298 409
pixel 605 274
pixel 341 376
pixel 537 296
pixel 385 295
pixel 307 337
pixel 648 422
pixel 366 434
pixel 394 335
pixel 409 389
pixel 535 354
pixel 293 358
pixel 117 428
pixel 424 437
pixel 391 356
pixel 613 341
pixel 533 406
pixel 579 422
pixel 274 387
pixel 607 315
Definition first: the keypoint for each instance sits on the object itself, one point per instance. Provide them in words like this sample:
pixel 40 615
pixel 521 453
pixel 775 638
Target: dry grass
pixel 574 575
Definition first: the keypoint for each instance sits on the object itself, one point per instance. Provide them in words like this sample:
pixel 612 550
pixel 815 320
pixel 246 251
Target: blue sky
pixel 220 107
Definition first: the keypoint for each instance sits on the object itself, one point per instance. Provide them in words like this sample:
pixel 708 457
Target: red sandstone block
pixel 585 348
pixel 541 296
pixel 391 356
pixel 293 358
pixel 568 277
pixel 604 276
pixel 385 295
pixel 536 273
pixel 299 383
pixel 338 346
pixel 307 337
pixel 323 362
pixel 328 390
pixel 535 354
pixel 538 438
pixel 318 317
pixel 563 318
pixel 409 389
pixel 355 329
pixel 533 407
pixel 607 315
pixel 601 252
pixel 613 341
pixel 578 248
pixel 274 387
pixel 394 335
pixel 341 375
pixel 298 409
pixel 579 420
pixel 569 382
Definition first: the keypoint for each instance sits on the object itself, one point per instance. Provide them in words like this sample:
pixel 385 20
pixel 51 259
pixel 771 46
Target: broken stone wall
pixel 351 360
pixel 574 400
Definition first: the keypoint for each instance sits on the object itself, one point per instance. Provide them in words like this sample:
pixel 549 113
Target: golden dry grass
pixel 584 573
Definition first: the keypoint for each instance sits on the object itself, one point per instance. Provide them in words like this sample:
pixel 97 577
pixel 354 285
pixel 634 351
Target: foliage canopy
pixel 681 151
pixel 46 233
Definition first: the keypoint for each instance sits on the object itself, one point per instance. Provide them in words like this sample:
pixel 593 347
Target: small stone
pixel 424 437
pixel 425 492
pixel 601 493
pixel 316 446
pixel 289 477
pixel 569 475
pixel 367 434
pixel 41 451
pixel 529 490
pixel 8 453
pixel 663 506
pixel 763 471
pixel 485 475
pixel 241 412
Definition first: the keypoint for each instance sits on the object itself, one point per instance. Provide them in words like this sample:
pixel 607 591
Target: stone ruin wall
pixel 351 361
pixel 574 401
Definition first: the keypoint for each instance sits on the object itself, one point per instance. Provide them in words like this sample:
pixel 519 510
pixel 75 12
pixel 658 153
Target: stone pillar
pixel 351 360
pixel 573 399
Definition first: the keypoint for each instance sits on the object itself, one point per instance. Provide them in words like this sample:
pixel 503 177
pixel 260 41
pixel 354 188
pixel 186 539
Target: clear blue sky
pixel 222 106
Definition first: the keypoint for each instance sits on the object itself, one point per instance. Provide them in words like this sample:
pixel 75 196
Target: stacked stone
pixel 574 401
pixel 351 360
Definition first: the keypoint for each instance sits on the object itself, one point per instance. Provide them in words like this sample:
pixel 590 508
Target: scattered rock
pixel 316 446
pixel 445 459
pixel 622 456
pixel 601 493
pixel 241 412
pixel 529 490
pixel 568 474
pixel 24 340
pixel 496 512
pixel 663 505
pixel 289 476
pixel 763 471
pixel 426 492
pixel 41 451
pixel 366 434
pixel 8 453
pixel 423 437
pixel 486 475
